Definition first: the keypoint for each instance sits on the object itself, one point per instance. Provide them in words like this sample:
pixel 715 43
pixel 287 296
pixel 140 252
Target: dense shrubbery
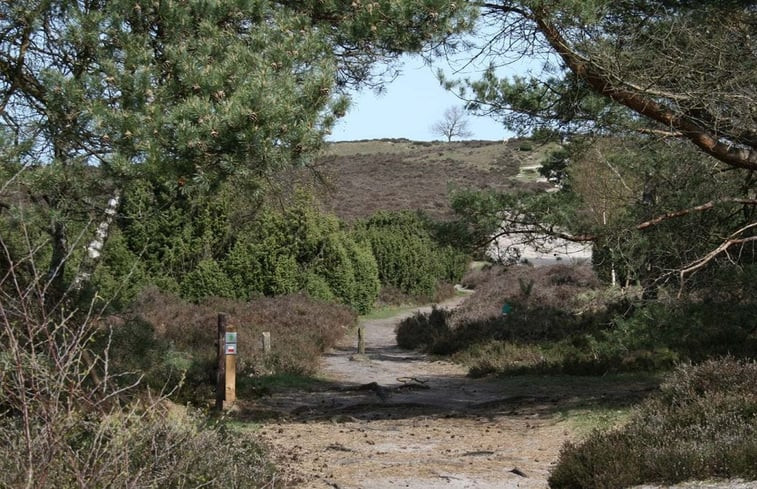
pixel 409 258
pixel 301 249
pixel 540 301
pixel 702 425
pixel 207 250
pixel 423 331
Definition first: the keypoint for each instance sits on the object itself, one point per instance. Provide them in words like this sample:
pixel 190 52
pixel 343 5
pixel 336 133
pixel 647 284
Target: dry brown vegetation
pixel 367 176
pixel 166 336
pixel 541 301
pixel 556 287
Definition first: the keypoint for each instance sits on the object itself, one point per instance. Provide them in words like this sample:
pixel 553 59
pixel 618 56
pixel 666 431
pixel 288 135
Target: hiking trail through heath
pixel 394 418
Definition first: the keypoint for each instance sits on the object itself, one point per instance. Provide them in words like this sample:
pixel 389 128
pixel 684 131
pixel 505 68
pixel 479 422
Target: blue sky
pixel 408 108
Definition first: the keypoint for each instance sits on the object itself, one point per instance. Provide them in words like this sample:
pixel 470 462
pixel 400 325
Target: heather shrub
pixel 702 425
pixel 491 357
pixel 421 330
pixel 392 296
pixel 540 303
pixel 560 321
pixel 140 354
pixel 444 290
pixel 71 415
pixel 170 341
pixel 551 288
pixel 475 277
pixel 153 445
pixel 695 330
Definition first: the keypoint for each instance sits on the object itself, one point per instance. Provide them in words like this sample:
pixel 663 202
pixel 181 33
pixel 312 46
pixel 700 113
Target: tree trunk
pixel 94 249
pixel 593 75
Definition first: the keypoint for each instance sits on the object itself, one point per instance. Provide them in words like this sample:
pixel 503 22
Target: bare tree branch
pixel 703 207
pixel 701 262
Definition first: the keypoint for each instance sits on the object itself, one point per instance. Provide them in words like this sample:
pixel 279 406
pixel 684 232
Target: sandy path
pixel 424 424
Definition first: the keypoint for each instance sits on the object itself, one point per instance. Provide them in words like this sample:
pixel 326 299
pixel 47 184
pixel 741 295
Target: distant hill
pixel 398 174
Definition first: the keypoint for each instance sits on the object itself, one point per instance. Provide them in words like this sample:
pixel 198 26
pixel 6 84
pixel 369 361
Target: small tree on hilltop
pixel 453 124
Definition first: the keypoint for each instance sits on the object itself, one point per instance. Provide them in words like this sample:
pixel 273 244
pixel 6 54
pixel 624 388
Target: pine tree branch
pixel 708 141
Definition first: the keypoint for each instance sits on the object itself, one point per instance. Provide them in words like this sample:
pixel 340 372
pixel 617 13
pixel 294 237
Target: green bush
pixel 702 425
pixel 318 288
pixel 301 248
pixel 199 246
pixel 262 259
pixel 407 254
pixel 695 331
pixel 171 232
pixel 365 269
pixel 121 274
pixel 207 280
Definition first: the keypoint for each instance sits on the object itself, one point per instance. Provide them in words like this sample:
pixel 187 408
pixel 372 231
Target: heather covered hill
pixel 398 174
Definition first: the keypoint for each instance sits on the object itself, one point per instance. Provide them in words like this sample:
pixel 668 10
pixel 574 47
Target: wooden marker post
pixel 230 389
pixel 265 339
pixel 226 391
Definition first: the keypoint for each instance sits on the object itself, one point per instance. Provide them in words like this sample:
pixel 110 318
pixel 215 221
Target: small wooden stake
pixel 266 340
pixel 361 340
pixel 221 365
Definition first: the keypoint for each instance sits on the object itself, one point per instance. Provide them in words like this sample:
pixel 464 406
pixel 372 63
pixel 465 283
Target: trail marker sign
pixel 227 363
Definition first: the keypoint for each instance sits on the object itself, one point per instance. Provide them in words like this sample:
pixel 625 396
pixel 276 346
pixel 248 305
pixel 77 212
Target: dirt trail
pixel 393 419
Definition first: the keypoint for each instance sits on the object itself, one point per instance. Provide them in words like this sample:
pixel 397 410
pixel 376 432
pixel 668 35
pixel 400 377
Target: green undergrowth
pixel 256 386
pixel 585 421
